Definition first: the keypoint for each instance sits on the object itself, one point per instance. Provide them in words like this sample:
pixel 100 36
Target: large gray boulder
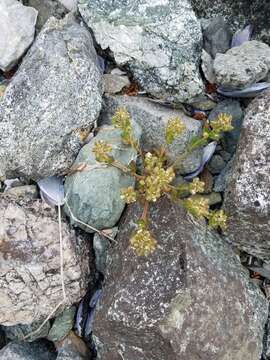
pixel 55 93
pixel 242 65
pixel 153 118
pixel 94 194
pixel 189 300
pixel 17 31
pixel 159 41
pixel 30 283
pixel 247 199
pixel 237 14
pixel 26 351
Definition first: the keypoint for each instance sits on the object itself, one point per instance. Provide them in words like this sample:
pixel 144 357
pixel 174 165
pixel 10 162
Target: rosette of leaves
pixel 155 176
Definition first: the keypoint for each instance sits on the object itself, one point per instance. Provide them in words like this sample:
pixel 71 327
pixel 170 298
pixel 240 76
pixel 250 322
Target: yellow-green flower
pixel 196 186
pixel 218 219
pixel 128 195
pixel 197 206
pixel 142 242
pixel 174 128
pixel 222 123
pixel 101 149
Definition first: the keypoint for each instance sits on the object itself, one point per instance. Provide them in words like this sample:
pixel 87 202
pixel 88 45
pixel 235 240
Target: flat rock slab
pixel 30 283
pixel 247 198
pixel 242 65
pixel 191 299
pixel 17 31
pixel 55 94
pixel 159 41
pixel 153 118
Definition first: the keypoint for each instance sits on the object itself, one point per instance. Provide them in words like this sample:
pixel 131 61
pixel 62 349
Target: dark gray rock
pixel 217 36
pixel 237 14
pixel 233 108
pixel 216 164
pixel 152 118
pixel 190 299
pixel 247 198
pixel 101 247
pixel 55 93
pixel 242 65
pixel 160 42
pixel 25 351
pixel 93 195
pixel 222 178
pixel 18 332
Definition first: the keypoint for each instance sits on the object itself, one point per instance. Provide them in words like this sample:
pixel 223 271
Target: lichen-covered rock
pixel 152 118
pixel 159 41
pixel 94 194
pixel 237 14
pixel 25 351
pixel 30 283
pixel 17 31
pixel 55 93
pixel 190 299
pixel 242 65
pixel 247 199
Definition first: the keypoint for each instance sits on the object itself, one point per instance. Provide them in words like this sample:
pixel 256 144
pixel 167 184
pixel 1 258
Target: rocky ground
pixel 71 286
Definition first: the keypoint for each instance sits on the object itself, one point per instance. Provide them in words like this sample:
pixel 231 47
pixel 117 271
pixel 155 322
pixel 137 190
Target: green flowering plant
pixel 154 178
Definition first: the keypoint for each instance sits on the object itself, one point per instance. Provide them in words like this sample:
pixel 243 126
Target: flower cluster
pixel 196 206
pixel 142 241
pixel 196 186
pixel 129 195
pixel 101 149
pixel 222 123
pixel 217 219
pixel 174 128
pixel 121 120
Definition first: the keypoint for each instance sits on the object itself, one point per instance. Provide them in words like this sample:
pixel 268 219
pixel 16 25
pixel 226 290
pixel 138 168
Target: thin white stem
pixel 61 253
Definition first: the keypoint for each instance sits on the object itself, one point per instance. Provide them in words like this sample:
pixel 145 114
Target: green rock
pixel 62 325
pixel 93 194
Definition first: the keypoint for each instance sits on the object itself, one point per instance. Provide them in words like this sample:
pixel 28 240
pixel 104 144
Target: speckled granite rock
pixel 247 199
pixel 93 194
pixel 55 93
pixel 191 299
pixel 30 284
pixel 17 31
pixel 242 65
pixel 159 41
pixel 153 118
pixel 238 14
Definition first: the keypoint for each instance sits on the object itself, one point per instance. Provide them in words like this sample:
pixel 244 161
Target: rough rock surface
pixel 242 65
pixel 26 351
pixel 216 36
pixel 93 194
pixel 247 199
pixel 238 14
pixel 17 31
pixel 55 93
pixel 153 118
pixel 69 4
pixel 30 284
pixel 189 300
pixel 159 41
pixel 18 332
pixel 62 325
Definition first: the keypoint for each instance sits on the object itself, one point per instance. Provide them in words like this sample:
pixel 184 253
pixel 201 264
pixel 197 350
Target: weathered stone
pixel 222 178
pixel 242 65
pixel 17 31
pixel 208 67
pixel 62 325
pixel 18 332
pixel 190 299
pixel 55 93
pixel 247 199
pixel 72 348
pixel 29 191
pixel 208 180
pixel 46 9
pixel 233 108
pixel 216 164
pixel 25 351
pixel 30 283
pixel 237 14
pixel 113 84
pixel 216 36
pixel 152 118
pixel 160 42
pixel 71 5
pixel 93 195
pixel 101 246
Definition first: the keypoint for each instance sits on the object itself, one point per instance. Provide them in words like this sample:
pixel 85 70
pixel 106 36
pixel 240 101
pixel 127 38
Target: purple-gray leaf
pixel 248 92
pixel 94 299
pixel 101 64
pixel 79 319
pixel 241 36
pixel 52 190
pixel 208 152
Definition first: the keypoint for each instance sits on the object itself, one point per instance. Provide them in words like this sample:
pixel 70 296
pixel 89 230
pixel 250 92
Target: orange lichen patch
pixel 255 275
pixel 199 116
pixel 131 90
pixel 210 88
